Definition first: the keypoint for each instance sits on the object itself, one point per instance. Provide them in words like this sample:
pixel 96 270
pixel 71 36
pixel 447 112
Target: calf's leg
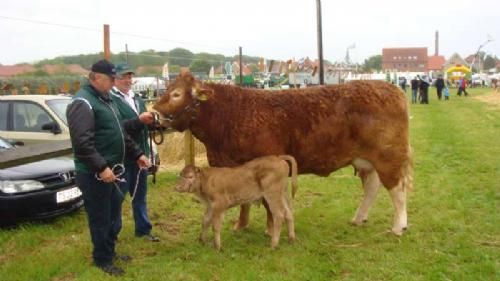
pixel 207 219
pixel 216 225
pixel 289 218
pixel 269 224
pixel 277 210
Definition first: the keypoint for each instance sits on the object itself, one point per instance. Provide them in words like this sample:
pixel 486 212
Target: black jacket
pixel 97 136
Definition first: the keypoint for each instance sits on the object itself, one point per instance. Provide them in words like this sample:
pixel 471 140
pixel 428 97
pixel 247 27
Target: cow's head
pixel 180 104
pixel 189 179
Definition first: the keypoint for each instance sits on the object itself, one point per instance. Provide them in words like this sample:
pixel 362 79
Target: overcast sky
pixel 31 30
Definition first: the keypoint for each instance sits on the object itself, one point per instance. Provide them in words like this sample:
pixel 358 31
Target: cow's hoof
pixel 359 222
pixel 398 231
pixel 291 240
pixel 239 226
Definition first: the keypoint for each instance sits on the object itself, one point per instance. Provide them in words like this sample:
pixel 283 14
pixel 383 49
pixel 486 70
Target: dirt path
pixel 490 97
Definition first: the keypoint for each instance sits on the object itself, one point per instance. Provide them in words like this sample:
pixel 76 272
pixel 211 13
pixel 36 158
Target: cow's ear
pixel 201 94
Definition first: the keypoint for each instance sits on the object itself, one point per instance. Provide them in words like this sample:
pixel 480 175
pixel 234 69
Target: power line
pixel 50 23
pixel 113 32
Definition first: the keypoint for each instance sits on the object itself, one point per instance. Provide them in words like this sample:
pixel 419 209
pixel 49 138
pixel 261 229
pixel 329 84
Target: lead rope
pixel 132 196
pixel 155 126
pixel 118 170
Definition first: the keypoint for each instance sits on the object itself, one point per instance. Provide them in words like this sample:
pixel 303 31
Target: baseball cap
pixel 104 67
pixel 123 68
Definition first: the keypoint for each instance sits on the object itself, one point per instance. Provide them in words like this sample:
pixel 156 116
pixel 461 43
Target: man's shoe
pixel 124 258
pixel 112 270
pixel 151 238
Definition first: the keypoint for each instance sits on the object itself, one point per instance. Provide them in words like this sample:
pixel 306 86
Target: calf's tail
pixel 293 166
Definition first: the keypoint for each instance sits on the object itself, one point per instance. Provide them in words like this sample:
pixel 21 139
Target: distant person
pixel 446 92
pixel 495 83
pixel 424 90
pixel 439 86
pixel 414 88
pixel 462 85
pixel 402 84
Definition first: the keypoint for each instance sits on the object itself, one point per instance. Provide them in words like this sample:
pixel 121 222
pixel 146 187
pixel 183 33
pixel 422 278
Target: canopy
pixel 458 71
pixel 458 68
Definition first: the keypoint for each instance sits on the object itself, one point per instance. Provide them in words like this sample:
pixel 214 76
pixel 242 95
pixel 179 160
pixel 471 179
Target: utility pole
pixel 477 54
pixel 107 52
pixel 241 69
pixel 320 43
pixel 126 53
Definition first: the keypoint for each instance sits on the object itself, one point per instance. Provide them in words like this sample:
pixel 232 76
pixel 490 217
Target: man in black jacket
pixel 439 86
pixel 100 146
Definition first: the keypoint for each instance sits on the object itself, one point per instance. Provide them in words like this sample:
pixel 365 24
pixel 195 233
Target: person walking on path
pixel 99 146
pixel 132 107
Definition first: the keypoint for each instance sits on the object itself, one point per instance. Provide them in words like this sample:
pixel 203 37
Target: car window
pixel 29 117
pixel 59 108
pixel 4 144
pixel 3 115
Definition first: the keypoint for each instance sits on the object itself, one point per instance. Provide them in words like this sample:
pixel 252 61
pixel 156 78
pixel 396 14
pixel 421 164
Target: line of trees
pixel 176 58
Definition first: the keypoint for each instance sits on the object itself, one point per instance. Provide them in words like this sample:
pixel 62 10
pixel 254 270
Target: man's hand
pixel 107 175
pixel 143 162
pixel 146 118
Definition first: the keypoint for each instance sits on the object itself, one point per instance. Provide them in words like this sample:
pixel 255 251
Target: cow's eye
pixel 176 94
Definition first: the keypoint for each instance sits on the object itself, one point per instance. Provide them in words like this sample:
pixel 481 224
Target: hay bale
pixel 172 152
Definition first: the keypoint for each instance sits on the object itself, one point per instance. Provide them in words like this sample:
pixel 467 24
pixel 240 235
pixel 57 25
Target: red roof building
pixel 405 59
pixel 12 70
pixel 436 63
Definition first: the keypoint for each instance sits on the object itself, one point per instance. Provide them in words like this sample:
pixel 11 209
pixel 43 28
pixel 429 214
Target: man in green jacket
pixel 132 107
pixel 100 146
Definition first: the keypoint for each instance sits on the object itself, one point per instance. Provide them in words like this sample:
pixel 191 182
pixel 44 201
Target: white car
pixel 34 118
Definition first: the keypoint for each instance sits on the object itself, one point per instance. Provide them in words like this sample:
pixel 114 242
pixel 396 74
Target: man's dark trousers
pixel 103 204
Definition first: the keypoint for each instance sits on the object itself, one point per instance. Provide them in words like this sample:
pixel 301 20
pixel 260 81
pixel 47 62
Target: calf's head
pixel 189 179
pixel 180 104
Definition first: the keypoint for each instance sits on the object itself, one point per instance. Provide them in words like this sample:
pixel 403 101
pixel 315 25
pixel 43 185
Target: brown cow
pixel 361 123
pixel 222 188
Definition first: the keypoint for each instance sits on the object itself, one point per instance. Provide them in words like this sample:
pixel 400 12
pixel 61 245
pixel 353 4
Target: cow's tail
pixel 293 174
pixel 407 179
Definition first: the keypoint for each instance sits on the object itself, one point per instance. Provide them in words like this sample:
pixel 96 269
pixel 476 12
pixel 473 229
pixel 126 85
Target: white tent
pixel 140 84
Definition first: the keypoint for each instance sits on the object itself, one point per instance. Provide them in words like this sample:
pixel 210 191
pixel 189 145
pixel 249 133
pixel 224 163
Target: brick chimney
pixel 436 42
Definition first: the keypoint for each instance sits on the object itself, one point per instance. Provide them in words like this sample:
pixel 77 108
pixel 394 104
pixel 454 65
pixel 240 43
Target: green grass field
pixel 454 221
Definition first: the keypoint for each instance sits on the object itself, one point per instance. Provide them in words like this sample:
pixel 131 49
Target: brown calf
pixel 222 188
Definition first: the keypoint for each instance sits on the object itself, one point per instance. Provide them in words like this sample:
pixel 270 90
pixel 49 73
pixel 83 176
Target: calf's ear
pixel 201 94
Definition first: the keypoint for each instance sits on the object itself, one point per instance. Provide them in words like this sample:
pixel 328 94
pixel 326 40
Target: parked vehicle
pixel 37 118
pixel 34 118
pixel 38 190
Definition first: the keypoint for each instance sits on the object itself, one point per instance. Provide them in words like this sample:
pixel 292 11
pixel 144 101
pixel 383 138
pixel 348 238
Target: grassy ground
pixel 454 231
